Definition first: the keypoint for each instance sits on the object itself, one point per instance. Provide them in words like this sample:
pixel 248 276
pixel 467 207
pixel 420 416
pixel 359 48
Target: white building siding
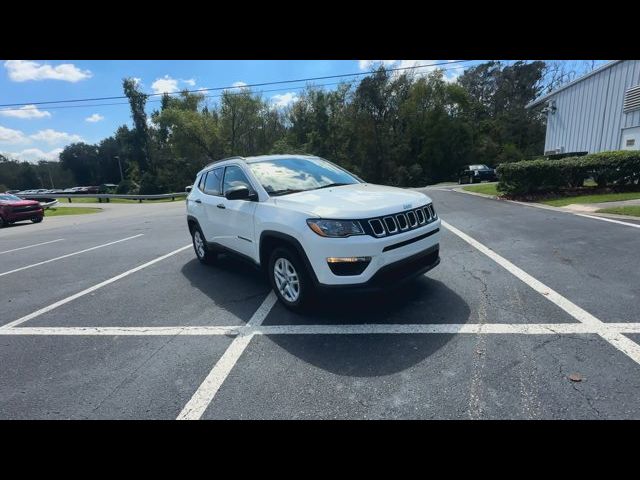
pixel 589 114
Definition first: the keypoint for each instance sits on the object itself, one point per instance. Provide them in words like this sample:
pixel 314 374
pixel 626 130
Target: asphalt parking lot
pixel 111 316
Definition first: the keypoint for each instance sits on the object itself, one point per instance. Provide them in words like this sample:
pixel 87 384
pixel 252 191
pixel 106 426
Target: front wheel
pixel 204 254
pixel 290 280
pixel 37 219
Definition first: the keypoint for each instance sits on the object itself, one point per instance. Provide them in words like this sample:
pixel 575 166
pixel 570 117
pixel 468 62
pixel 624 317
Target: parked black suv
pixel 476 174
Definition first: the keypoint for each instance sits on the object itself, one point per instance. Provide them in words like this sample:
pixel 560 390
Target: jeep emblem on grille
pixel 406 206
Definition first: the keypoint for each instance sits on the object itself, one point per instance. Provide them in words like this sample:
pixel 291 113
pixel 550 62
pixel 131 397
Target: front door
pixel 238 215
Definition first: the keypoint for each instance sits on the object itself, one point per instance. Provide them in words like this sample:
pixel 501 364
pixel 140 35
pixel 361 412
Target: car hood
pixel 361 200
pixel 20 203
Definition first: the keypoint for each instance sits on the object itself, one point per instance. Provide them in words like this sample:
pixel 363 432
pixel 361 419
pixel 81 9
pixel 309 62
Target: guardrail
pixel 102 196
pixel 47 205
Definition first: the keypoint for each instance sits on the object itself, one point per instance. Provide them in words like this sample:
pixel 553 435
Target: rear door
pixel 238 214
pixel 213 226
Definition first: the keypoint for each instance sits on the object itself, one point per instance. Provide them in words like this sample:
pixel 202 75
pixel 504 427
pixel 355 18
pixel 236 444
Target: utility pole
pixel 50 177
pixel 120 166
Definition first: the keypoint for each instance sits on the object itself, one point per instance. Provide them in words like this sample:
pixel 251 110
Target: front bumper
pixel 392 257
pixel 25 215
pixel 394 274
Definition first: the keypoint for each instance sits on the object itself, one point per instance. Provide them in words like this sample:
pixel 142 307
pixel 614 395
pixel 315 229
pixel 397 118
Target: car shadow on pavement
pixel 421 301
pixel 19 224
pixel 232 285
pixel 238 287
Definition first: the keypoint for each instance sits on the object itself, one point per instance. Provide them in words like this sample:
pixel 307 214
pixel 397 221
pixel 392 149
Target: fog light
pixel 348 259
pixel 345 266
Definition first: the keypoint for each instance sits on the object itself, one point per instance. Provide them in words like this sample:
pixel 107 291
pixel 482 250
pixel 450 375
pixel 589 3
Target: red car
pixel 14 209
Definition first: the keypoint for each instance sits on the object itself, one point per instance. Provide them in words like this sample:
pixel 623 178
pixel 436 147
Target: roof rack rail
pixel 222 160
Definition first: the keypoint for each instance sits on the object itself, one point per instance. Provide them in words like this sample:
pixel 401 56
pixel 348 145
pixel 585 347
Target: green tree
pixel 140 137
pixel 81 159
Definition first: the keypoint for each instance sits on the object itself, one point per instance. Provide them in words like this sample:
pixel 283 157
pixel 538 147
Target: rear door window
pixel 212 183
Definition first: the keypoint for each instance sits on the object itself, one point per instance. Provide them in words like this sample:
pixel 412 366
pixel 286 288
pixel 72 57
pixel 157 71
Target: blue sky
pixel 40 132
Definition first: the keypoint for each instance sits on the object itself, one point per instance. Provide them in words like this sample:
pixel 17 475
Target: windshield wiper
pixel 286 191
pixel 332 185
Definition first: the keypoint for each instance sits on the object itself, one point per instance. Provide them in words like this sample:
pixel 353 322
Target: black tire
pixel 203 252
pixel 2 222
pixel 37 219
pixel 306 293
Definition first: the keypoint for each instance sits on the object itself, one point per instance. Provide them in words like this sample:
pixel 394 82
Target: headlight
pixel 335 228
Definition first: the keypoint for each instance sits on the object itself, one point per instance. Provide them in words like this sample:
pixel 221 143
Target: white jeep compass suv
pixel 311 225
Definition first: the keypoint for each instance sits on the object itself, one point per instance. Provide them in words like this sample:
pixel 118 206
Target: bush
pixel 533 176
pixel 150 185
pixel 127 187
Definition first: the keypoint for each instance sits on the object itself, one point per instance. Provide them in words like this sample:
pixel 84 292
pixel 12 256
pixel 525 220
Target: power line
pixel 200 90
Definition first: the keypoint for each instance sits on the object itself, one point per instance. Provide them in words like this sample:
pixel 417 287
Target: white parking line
pixel 90 289
pixel 447 328
pixel 614 337
pixel 201 399
pixel 69 255
pixel 356 329
pixel 122 331
pixel 31 246
pixel 635 225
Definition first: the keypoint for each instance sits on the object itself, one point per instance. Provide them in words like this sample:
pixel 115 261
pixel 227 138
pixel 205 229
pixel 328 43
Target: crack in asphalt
pixel 564 375
pixel 131 374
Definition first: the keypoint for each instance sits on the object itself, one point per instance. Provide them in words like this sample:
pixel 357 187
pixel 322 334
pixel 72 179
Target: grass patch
pixel 116 200
pixel 596 198
pixel 487 189
pixel 58 211
pixel 633 210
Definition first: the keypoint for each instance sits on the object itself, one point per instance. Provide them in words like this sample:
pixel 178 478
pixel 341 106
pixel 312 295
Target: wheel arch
pixel 271 239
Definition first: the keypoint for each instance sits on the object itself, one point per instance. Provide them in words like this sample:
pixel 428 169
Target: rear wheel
pixel 204 254
pixel 2 222
pixel 290 280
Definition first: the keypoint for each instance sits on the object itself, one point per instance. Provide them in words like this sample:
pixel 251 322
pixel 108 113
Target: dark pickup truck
pixel 477 174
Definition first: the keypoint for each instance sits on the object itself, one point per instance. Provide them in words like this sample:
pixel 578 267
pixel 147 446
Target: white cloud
pixel 34 155
pixel 165 84
pixel 368 64
pixel 284 99
pixel 137 80
pixel 10 136
pixel 190 81
pixel 25 70
pixel 51 136
pixel 96 117
pixel 239 84
pixel 25 112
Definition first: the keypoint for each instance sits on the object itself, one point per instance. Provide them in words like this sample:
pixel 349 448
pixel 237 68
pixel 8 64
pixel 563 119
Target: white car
pixel 311 225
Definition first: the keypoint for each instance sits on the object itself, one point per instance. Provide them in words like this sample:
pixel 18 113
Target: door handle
pixel 220 205
pixel 198 201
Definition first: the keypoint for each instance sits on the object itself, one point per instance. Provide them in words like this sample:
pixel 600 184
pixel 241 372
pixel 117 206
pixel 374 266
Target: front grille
pixel 390 223
pixel 27 208
pixel 399 222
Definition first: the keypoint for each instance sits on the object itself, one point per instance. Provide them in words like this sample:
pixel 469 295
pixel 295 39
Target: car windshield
pixel 479 167
pixel 7 197
pixel 281 176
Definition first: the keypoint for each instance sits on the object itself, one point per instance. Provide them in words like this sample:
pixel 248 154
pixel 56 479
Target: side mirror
pixel 188 189
pixel 238 193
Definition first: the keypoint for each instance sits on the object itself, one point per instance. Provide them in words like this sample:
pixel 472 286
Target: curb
pixel 548 207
